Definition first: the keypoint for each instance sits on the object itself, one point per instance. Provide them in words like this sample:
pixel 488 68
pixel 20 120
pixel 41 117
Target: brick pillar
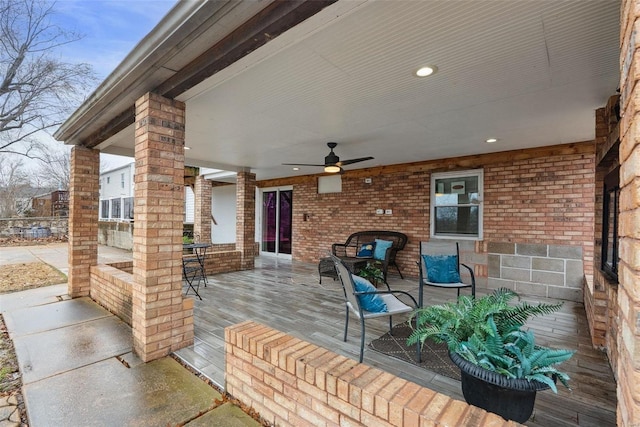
pixel 246 218
pixel 202 214
pixel 162 319
pixel 628 371
pixel 84 199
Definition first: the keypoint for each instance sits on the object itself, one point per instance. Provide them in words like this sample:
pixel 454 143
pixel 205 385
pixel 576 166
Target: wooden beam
pixel 115 125
pixel 269 23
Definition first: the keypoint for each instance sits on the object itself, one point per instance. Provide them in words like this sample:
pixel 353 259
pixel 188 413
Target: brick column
pixel 83 218
pixel 246 218
pixel 202 214
pixel 628 371
pixel 162 319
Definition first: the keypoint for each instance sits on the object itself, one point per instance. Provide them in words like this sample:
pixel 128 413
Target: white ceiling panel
pixel 530 73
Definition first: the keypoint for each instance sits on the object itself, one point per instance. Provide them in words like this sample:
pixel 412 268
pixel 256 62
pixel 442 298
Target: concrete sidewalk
pixel 78 368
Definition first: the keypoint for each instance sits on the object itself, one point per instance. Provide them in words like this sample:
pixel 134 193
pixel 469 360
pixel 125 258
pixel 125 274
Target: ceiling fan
pixel 332 163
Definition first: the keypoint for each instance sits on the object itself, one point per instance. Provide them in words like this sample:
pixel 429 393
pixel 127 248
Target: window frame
pixel 479 174
pixel 610 186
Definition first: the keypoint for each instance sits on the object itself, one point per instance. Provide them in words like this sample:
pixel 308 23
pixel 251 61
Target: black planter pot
pixel 512 399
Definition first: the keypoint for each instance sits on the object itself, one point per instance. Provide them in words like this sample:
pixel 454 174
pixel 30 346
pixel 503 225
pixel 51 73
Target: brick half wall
pixel 290 382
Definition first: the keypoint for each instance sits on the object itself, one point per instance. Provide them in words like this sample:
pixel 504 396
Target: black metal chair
pixel 436 256
pixel 353 305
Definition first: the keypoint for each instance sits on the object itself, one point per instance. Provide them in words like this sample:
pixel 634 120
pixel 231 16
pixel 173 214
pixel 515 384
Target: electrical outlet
pixel 379 211
pixel 388 212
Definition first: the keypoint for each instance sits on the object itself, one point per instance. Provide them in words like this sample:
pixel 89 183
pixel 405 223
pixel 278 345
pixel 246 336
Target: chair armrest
pixel 473 277
pixel 339 249
pixel 389 292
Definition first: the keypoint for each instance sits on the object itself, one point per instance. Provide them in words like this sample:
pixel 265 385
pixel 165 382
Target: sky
pixel 110 29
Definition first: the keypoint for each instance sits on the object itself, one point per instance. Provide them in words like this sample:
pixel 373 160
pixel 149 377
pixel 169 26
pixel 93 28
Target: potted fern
pixel 372 272
pixel 501 366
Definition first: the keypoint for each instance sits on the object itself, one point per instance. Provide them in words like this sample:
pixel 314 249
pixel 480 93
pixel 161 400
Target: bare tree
pixel 55 168
pixel 37 89
pixel 14 186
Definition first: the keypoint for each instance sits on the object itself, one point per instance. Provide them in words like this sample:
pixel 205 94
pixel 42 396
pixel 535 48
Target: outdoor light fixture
pixel 491 140
pixel 332 169
pixel 427 70
pixel 296 169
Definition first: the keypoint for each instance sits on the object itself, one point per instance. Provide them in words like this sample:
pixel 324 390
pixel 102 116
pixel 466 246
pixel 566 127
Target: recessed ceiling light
pixel 491 140
pixel 427 70
pixel 296 169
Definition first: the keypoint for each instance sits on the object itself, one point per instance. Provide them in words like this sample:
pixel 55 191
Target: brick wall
pixel 540 196
pixel 223 262
pixel 111 288
pixel 202 213
pixel 629 228
pixel 290 382
pixel 162 320
pixel 83 218
pixel 246 218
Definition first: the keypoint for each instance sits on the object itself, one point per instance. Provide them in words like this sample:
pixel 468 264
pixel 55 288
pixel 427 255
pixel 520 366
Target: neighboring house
pixel 116 193
pixel 54 203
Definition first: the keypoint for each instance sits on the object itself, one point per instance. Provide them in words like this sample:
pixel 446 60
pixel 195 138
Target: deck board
pixel 286 296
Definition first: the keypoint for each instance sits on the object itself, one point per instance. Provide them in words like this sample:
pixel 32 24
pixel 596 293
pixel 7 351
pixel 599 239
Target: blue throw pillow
pixel 381 249
pixel 366 250
pixel 442 268
pixel 370 302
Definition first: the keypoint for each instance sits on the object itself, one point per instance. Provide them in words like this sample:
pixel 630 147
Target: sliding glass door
pixel 277 214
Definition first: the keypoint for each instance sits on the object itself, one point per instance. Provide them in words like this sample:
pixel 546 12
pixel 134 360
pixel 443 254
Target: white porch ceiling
pixel 530 73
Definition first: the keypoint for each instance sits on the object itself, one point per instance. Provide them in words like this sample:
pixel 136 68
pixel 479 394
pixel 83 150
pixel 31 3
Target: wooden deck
pixel 286 296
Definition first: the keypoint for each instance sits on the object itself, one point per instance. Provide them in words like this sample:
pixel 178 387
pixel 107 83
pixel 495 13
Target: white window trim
pixel 458 174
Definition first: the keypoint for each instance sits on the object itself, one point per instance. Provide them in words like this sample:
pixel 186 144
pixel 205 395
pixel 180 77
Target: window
pixel 121 180
pixel 610 209
pixel 104 209
pixel 115 208
pixel 108 179
pixel 456 204
pixel 127 208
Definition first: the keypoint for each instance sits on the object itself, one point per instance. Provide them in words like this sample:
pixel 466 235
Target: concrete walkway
pixel 77 363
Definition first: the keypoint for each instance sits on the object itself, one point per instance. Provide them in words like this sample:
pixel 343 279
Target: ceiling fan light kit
pixel 332 163
pixel 332 169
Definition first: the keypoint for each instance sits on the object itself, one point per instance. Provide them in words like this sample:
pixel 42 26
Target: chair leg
pixel 362 339
pixel 346 325
pixel 398 268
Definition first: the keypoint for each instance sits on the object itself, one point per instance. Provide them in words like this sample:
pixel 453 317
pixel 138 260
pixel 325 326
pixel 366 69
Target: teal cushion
pixel 442 268
pixel 370 302
pixel 381 249
pixel 366 250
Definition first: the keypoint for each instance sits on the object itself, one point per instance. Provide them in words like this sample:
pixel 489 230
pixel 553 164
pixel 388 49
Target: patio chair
pixel 193 274
pixel 354 304
pixel 439 266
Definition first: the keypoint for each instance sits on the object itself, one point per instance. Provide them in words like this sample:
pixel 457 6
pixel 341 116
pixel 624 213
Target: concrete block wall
pixel 116 234
pixel 537 196
pixel 290 382
pixel 554 271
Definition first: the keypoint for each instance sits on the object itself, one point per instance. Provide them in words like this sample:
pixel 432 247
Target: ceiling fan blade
pixel 352 161
pixel 300 164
